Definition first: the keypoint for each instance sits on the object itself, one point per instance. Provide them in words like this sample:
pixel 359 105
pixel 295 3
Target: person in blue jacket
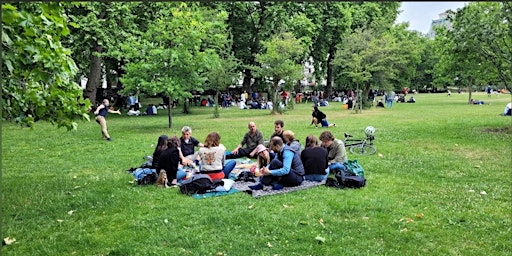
pixel 285 170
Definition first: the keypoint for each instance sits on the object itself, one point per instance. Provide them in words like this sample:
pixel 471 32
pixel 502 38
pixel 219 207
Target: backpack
pixel 145 176
pixel 354 167
pixel 197 184
pixel 345 179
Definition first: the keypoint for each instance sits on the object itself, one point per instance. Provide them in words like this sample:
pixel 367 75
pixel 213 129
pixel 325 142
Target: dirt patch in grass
pixel 502 130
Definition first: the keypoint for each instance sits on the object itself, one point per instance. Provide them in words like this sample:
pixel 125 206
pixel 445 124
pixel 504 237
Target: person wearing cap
pixel 336 152
pixel 315 159
pixel 285 170
pixel 263 154
pixel 101 112
pixel 251 140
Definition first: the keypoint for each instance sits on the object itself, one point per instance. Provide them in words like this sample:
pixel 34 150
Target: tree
pixel 95 41
pixel 476 50
pixel 279 61
pixel 250 23
pixel 175 52
pixel 333 20
pixel 37 77
pixel 222 72
pixel 385 59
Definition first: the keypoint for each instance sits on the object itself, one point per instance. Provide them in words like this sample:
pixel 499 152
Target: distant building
pixel 442 21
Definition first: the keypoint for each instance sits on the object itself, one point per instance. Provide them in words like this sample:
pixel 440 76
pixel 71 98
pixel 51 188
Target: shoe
pixel 170 185
pixel 108 139
pixel 277 186
pixel 256 187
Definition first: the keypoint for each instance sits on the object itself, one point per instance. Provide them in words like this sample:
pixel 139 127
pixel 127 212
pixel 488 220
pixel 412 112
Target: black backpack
pixel 197 184
pixel 345 179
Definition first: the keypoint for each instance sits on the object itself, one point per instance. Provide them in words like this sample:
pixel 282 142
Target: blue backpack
pixel 145 176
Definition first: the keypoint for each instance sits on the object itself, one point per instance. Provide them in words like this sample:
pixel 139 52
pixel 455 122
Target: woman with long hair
pixel 213 158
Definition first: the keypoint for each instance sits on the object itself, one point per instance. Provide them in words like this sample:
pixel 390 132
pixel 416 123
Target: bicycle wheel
pixel 363 150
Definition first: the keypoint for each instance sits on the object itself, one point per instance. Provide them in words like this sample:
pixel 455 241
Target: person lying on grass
pixel 285 170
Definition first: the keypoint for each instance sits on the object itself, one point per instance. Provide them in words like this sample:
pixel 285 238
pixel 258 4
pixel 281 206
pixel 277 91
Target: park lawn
pixel 440 184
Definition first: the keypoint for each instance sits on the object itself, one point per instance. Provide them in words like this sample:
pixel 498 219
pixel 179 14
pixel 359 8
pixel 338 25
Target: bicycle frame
pixel 349 141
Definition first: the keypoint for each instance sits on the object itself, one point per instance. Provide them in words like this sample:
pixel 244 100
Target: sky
pixel 420 14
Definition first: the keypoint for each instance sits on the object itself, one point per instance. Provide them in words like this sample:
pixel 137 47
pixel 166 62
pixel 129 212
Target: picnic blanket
pixel 238 186
pixel 267 190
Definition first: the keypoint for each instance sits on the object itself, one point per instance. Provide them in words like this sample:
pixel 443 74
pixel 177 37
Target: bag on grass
pixel 145 176
pixel 354 167
pixel 197 184
pixel 345 179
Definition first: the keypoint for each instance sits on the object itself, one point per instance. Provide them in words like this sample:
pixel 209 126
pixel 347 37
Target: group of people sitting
pixel 279 163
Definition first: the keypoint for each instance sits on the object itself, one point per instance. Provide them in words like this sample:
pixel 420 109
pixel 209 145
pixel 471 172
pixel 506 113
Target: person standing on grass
pixel 314 158
pixel 251 140
pixel 285 170
pixel 101 112
pixel 336 152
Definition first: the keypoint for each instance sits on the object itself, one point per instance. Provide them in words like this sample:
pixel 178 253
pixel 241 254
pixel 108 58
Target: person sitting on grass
pixel 289 139
pixel 169 162
pixel 508 108
pixel 320 117
pixel 336 152
pixel 213 158
pixel 285 170
pixel 314 158
pixel 251 140
pixel 188 144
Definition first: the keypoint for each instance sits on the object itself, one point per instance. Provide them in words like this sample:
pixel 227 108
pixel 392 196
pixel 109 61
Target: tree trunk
pixel 94 77
pixel 470 89
pixel 275 100
pixel 328 88
pixel 247 80
pixel 169 113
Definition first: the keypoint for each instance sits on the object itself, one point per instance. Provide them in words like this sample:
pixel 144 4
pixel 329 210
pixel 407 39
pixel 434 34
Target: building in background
pixel 442 21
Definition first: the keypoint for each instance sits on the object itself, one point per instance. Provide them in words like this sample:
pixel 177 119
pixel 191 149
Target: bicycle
pixel 363 147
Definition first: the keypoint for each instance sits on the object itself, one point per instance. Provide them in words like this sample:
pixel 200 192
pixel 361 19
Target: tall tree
pixel 280 61
pixel 333 20
pixel 476 50
pixel 37 77
pixel 251 22
pixel 95 41
pixel 172 56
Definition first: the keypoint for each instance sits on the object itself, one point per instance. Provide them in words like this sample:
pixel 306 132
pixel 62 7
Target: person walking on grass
pixel 101 112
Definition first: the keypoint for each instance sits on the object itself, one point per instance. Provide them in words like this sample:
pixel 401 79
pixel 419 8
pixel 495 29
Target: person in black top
pixel 278 129
pixel 160 146
pixel 320 117
pixel 170 160
pixel 315 160
pixel 101 112
pixel 187 146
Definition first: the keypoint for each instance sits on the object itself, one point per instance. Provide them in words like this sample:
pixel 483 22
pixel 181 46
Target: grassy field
pixel 440 184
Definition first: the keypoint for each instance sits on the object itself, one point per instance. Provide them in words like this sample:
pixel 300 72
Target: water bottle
pixel 198 166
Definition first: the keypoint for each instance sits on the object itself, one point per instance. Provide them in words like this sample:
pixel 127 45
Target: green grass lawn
pixel 440 184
